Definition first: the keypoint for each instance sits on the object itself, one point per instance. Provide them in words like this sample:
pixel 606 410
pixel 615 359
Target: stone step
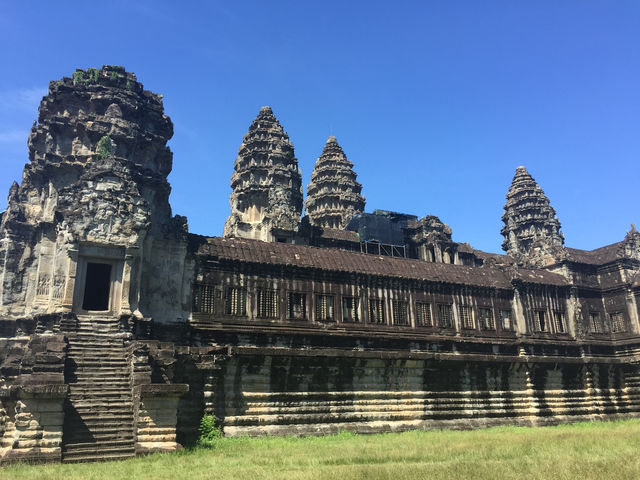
pixel 106 361
pixel 106 388
pixel 87 380
pixel 92 349
pixel 89 373
pixel 101 403
pixel 100 364
pixel 90 336
pixel 98 458
pixel 107 444
pixel 93 452
pixel 91 407
pixel 93 436
pixel 96 423
pixel 80 401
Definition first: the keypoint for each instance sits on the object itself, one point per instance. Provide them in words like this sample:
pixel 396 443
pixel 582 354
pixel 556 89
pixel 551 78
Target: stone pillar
pixel 632 309
pixel 67 300
pixel 125 303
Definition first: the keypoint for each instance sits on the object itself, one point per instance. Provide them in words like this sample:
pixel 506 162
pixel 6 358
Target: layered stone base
pixel 277 395
pixel 31 423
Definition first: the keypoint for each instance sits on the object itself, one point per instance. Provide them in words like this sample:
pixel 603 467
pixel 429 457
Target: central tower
pixel 266 202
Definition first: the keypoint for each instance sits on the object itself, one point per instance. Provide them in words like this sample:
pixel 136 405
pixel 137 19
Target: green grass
pixel 593 450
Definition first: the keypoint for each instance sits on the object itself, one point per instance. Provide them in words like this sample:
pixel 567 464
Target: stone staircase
pixel 99 417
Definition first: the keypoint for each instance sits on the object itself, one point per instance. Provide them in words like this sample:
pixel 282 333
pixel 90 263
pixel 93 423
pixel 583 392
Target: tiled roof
pixel 599 256
pixel 302 256
pixel 544 277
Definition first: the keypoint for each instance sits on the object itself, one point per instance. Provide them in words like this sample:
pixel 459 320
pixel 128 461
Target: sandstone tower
pixel 531 230
pixel 333 194
pixel 266 202
pixel 93 198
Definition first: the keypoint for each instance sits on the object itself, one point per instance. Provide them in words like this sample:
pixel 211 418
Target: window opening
pixel 541 322
pixel 235 301
pixel 486 319
pixel 297 306
pixel 617 322
pixel 444 316
pixel 324 308
pixel 376 311
pixel 595 322
pixel 350 309
pixel 400 312
pixel 203 298
pixel 423 313
pixel 466 317
pixel 267 303
pixel 505 316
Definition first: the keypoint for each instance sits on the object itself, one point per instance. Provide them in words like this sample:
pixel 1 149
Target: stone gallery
pixel 119 329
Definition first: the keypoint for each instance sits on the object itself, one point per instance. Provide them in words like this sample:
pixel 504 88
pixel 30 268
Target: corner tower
pixel 92 205
pixel 333 194
pixel 266 202
pixel 531 229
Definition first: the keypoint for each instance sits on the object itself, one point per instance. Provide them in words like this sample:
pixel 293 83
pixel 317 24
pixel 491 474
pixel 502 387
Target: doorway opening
pixel 97 287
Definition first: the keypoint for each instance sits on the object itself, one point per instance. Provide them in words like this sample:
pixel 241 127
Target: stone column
pixel 67 300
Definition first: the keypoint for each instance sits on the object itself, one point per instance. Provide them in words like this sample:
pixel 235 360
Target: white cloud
pixel 22 99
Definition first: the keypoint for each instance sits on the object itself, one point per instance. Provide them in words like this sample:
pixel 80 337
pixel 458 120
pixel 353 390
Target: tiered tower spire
pixel 266 202
pixel 333 194
pixel 531 229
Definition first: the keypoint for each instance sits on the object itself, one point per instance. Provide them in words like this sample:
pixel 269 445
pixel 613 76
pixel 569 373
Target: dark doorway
pixel 97 286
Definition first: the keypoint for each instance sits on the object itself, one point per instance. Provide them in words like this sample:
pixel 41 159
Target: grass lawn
pixel 592 450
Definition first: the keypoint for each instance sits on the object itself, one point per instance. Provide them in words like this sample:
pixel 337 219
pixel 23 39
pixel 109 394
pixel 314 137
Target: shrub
pixel 209 430
pixel 93 75
pixel 79 78
pixel 105 147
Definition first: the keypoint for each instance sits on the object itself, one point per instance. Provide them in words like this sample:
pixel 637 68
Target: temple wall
pixel 265 394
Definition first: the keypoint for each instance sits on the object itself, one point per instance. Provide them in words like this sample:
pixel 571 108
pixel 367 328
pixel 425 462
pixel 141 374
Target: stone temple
pixel 119 329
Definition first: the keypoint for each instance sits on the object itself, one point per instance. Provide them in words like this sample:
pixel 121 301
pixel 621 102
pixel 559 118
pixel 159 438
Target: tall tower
pixel 93 204
pixel 531 229
pixel 333 194
pixel 266 202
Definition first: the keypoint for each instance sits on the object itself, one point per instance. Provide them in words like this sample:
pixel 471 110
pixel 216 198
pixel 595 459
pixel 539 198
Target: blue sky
pixel 436 102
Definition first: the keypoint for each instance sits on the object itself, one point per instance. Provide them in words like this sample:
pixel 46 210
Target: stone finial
pixel 631 244
pixel 333 194
pixel 266 201
pixel 531 230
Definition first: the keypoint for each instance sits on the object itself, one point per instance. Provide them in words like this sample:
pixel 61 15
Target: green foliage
pixel 94 74
pixel 209 430
pixel 79 78
pixel 590 450
pixel 113 77
pixel 56 85
pixel 105 147
pixel 129 84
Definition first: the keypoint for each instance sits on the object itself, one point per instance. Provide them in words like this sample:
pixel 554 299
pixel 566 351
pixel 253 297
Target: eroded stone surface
pixel 95 182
